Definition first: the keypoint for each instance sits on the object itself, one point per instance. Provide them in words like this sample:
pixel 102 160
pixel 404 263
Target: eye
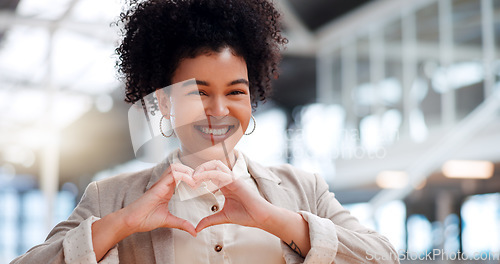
pixel 197 92
pixel 236 92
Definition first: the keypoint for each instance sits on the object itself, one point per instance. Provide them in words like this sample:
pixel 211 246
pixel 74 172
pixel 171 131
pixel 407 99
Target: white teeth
pixel 215 132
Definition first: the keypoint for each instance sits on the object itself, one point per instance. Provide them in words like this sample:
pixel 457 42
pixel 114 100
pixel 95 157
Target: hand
pixel 242 206
pixel 150 211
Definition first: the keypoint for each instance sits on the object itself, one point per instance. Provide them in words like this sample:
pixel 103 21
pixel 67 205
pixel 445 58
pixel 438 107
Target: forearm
pixel 107 232
pixel 291 228
pixel 367 246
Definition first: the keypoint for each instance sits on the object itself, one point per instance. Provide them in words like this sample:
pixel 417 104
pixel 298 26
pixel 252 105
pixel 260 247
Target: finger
pixel 179 176
pixel 211 220
pixel 182 224
pixel 181 168
pixel 164 179
pixel 182 172
pixel 165 186
pixel 218 178
pixel 176 167
pixel 171 178
pixel 212 165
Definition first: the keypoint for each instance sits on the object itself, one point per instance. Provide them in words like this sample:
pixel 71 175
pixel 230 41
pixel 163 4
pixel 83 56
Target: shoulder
pixel 116 192
pixel 138 178
pixel 288 171
pixel 288 175
pixel 293 176
pixel 297 189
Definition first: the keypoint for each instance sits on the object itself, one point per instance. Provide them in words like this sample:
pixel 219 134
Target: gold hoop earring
pixel 161 129
pixel 254 126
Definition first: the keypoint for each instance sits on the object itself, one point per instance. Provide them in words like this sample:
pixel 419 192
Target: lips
pixel 214 130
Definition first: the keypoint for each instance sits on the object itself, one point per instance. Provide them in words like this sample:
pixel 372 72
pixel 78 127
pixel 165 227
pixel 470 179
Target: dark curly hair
pixel 158 34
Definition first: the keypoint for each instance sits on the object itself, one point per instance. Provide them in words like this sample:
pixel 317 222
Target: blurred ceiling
pixel 100 139
pixel 316 13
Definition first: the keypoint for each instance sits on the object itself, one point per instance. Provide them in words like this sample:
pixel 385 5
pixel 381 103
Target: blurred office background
pixel 396 103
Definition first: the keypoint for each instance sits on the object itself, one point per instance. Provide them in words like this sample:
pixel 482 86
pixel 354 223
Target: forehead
pixel 222 65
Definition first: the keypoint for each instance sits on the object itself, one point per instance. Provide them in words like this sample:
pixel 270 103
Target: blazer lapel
pixel 162 238
pixel 270 187
pixel 163 245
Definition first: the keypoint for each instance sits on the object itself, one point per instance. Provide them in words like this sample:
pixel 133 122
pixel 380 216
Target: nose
pixel 216 106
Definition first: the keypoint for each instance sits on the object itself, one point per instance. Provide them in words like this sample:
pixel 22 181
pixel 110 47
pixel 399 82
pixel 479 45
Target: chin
pixel 213 152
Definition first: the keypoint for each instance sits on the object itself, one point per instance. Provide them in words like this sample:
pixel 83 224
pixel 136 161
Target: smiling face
pixel 209 106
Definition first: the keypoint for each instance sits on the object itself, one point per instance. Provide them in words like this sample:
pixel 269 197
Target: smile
pixel 214 131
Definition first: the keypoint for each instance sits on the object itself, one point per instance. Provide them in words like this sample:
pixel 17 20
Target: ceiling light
pixel 468 169
pixel 392 179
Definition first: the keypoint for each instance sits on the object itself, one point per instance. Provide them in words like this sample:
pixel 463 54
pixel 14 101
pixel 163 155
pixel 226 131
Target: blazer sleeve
pixel 338 237
pixel 71 241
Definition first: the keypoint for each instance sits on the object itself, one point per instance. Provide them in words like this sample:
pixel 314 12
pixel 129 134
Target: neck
pixel 193 160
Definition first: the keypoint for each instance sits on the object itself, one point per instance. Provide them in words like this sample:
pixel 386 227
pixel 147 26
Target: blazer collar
pixel 269 185
pixel 157 172
pixel 256 170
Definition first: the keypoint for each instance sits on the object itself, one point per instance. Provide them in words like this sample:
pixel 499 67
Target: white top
pixel 227 243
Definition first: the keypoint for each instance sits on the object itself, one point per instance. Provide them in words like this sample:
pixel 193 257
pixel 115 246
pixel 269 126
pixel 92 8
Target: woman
pixel 216 58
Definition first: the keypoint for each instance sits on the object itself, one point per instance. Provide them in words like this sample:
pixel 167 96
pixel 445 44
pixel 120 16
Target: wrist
pixel 291 228
pixel 116 226
pixel 125 224
pixel 107 232
pixel 278 220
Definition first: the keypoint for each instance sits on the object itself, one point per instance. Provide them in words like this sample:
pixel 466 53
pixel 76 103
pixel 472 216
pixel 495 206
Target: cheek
pixel 185 112
pixel 243 114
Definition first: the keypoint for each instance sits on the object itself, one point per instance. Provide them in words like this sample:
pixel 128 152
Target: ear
pixel 163 102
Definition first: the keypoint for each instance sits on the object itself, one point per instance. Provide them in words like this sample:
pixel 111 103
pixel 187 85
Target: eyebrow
pixel 204 83
pixel 243 81
pixel 191 82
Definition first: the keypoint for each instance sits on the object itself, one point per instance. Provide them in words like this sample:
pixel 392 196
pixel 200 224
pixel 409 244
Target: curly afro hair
pixel 158 34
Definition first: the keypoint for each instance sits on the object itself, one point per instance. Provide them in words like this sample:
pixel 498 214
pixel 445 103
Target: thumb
pixel 211 220
pixel 182 224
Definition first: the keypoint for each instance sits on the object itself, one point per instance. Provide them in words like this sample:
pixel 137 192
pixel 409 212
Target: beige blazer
pixel 336 236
